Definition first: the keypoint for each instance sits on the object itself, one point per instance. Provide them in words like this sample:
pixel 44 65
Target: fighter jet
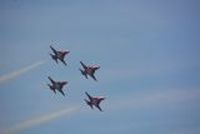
pixel 94 101
pixel 89 70
pixel 57 85
pixel 59 55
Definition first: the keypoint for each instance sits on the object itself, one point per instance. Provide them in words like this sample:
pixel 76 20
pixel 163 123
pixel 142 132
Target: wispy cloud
pixel 41 120
pixel 19 72
pixel 155 99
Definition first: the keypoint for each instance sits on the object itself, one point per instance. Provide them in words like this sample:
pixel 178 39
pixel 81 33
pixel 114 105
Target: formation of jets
pixel 86 70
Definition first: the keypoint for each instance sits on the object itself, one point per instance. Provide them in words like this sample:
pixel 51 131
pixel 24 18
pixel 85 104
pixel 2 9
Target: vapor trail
pixel 19 72
pixel 41 120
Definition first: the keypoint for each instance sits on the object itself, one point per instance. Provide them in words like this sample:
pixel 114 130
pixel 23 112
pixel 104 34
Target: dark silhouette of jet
pixel 89 70
pixel 94 101
pixel 57 85
pixel 59 55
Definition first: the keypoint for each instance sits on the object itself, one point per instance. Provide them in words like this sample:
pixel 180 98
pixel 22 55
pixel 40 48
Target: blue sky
pixel 149 56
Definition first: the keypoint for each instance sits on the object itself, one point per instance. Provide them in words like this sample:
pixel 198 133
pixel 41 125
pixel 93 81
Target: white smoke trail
pixel 41 120
pixel 19 72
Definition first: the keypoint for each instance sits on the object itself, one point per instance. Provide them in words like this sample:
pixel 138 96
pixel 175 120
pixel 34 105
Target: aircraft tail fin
pixel 89 103
pixel 51 88
pixel 83 73
pixel 54 57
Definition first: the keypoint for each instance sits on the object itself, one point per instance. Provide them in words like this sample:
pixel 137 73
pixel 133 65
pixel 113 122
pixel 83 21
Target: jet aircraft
pixel 57 85
pixel 89 70
pixel 94 101
pixel 59 55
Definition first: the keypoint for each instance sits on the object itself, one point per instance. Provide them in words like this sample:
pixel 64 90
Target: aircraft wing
pixel 61 91
pixel 52 81
pixel 63 61
pixel 54 51
pixel 88 96
pixel 99 108
pixel 83 65
pixel 93 77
